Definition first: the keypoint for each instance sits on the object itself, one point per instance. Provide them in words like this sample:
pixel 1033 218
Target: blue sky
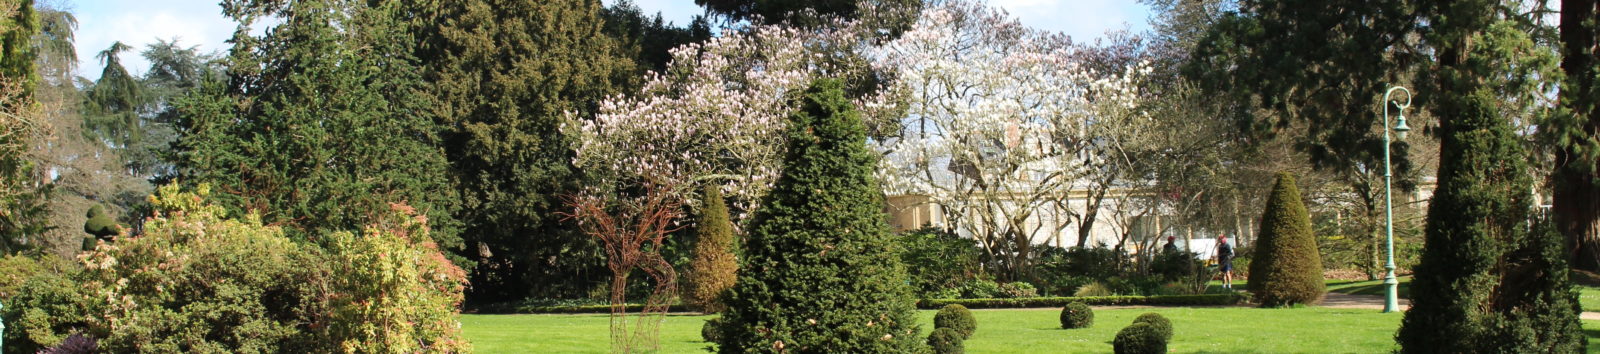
pixel 200 22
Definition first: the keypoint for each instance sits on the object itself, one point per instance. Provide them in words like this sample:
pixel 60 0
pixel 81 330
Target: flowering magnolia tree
pixel 1001 123
pixel 717 113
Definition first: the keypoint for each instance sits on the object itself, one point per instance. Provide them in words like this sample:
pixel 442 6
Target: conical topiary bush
pixel 713 268
pixel 1287 268
pixel 820 273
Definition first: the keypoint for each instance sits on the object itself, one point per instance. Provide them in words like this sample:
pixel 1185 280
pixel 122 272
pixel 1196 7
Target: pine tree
pixel 1485 283
pixel 821 273
pixel 714 267
pixel 504 74
pixel 321 123
pixel 1286 269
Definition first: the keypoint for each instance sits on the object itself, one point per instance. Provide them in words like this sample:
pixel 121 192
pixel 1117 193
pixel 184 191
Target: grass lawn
pixel 1370 287
pixel 1589 297
pixel 1196 330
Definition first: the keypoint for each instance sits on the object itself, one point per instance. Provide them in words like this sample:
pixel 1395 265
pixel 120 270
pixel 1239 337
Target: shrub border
pixel 935 304
pixel 1203 299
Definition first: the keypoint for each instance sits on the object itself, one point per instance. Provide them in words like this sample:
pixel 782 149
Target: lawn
pixel 1196 330
pixel 1370 287
pixel 1589 297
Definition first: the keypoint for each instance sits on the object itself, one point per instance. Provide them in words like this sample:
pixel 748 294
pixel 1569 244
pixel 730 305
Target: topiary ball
pixel 946 341
pixel 1077 315
pixel 1158 322
pixel 711 331
pixel 956 317
pixel 1139 338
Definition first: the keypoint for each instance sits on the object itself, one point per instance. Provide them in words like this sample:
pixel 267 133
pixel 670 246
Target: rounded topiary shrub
pixel 946 341
pixel 710 331
pixel 1077 315
pixel 956 317
pixel 1139 338
pixel 1157 321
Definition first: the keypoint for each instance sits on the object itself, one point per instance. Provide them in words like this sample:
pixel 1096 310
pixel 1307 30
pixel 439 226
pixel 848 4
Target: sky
pixel 200 22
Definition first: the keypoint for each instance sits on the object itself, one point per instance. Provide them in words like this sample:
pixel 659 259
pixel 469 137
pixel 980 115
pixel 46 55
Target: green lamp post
pixel 1391 299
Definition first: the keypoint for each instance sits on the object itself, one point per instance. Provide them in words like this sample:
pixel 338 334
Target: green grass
pixel 1370 287
pixel 1196 330
pixel 1589 298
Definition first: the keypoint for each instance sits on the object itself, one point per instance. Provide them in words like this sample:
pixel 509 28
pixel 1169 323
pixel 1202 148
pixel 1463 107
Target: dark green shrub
pixel 713 268
pixel 1158 322
pixel 1171 266
pixel 946 341
pixel 710 330
pixel 821 272
pixel 1077 315
pixel 937 262
pixel 957 317
pixel 980 289
pixel 1017 289
pixel 1287 269
pixel 99 223
pixel 1139 338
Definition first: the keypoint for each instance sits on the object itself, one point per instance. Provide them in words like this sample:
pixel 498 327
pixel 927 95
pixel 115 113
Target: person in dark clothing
pixel 1171 247
pixel 1225 261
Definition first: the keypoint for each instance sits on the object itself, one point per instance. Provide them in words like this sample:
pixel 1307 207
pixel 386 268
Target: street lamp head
pixel 1401 128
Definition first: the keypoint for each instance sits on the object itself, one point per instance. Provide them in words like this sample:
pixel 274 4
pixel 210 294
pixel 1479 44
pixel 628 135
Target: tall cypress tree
pixel 504 75
pixel 318 125
pixel 821 274
pixel 1287 269
pixel 714 267
pixel 1485 283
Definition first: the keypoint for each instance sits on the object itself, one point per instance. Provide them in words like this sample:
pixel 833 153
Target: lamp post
pixel 1391 300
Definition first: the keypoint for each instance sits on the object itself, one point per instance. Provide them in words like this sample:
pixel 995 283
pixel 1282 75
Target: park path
pixel 1349 301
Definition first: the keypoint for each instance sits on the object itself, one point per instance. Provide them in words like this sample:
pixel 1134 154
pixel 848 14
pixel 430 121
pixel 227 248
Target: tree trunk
pixel 1576 203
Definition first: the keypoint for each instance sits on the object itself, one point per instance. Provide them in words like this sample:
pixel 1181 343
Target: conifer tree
pixel 820 272
pixel 1486 282
pixel 714 268
pixel 1287 268
pixel 502 76
pixel 319 124
pixel 22 198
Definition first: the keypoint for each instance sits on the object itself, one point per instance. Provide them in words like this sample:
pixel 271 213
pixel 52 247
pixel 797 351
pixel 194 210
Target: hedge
pixel 934 304
pixel 512 309
pixel 1204 299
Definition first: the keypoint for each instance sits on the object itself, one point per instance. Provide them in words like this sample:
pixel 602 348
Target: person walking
pixel 1225 261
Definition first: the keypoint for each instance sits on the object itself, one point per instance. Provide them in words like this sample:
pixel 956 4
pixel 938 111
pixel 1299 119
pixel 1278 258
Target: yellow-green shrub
pixel 395 291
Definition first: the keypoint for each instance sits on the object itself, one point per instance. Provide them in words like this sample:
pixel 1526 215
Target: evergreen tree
pixel 1485 283
pixel 22 198
pixel 821 271
pixel 19 24
pixel 1575 202
pixel 504 74
pixel 893 16
pixel 648 38
pixel 714 267
pixel 111 111
pixel 1286 269
pixel 320 121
